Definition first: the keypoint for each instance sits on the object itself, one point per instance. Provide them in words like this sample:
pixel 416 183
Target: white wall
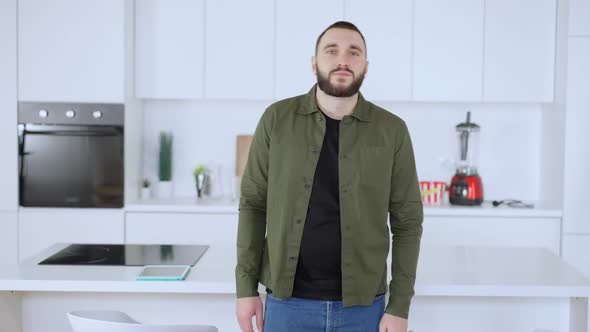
pixel 509 144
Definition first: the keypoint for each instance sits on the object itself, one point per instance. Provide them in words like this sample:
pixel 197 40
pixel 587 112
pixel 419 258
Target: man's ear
pixel 367 67
pixel 314 65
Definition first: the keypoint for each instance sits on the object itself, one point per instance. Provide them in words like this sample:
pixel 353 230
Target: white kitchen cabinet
pixel 181 228
pixel 519 50
pixel 8 107
pixel 71 50
pixel 240 52
pixel 577 138
pixel 387 28
pixel 575 251
pixel 8 239
pixel 492 231
pixel 40 228
pixel 448 47
pixel 170 40
pixel 298 25
pixel 579 17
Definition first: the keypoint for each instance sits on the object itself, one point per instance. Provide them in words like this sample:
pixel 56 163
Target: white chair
pixel 116 321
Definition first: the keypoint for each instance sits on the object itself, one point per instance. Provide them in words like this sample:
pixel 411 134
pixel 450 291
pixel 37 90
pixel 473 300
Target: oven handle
pixel 92 133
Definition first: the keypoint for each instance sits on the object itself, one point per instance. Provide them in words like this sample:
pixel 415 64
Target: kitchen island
pixel 457 289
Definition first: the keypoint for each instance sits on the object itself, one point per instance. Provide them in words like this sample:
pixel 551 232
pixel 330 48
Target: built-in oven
pixel 71 154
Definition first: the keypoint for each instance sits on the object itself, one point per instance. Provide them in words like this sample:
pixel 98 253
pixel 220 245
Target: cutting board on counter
pixel 242 148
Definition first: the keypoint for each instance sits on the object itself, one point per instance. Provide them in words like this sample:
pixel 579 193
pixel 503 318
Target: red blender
pixel 466 187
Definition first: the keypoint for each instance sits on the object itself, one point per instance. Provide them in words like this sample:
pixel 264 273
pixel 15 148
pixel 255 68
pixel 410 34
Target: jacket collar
pixel 361 111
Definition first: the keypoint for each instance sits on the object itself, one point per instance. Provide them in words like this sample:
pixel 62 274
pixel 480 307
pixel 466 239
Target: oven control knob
pixel 97 114
pixel 43 113
pixel 70 114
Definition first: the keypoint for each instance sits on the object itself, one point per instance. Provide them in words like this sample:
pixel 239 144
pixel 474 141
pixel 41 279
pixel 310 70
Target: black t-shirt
pixel 318 275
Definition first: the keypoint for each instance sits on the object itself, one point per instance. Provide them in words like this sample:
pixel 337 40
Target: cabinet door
pixel 240 52
pixel 169 49
pixel 181 228
pixel 298 24
pixel 519 50
pixel 576 251
pixel 8 107
pixel 491 231
pixel 41 228
pixel 579 17
pixel 577 138
pixel 71 50
pixel 387 27
pixel 448 50
pixel 8 239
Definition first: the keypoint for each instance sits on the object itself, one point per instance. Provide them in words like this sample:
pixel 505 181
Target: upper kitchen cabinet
pixel 8 108
pixel 577 138
pixel 387 27
pixel 519 50
pixel 579 17
pixel 448 47
pixel 298 25
pixel 71 50
pixel 170 54
pixel 239 46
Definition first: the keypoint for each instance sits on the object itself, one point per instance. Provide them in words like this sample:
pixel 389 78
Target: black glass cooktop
pixel 127 254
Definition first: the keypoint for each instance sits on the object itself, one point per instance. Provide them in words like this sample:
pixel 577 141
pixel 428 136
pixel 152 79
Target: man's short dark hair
pixel 340 25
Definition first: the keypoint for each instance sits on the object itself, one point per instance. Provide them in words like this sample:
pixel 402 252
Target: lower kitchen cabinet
pixel 492 231
pixel 181 228
pixel 576 251
pixel 40 228
pixel 8 239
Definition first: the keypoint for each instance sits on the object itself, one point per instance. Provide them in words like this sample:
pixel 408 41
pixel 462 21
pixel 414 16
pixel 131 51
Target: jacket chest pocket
pixel 375 166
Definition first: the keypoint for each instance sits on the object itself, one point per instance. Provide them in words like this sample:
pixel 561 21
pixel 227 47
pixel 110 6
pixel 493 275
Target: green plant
pixel 199 170
pixel 146 183
pixel 165 172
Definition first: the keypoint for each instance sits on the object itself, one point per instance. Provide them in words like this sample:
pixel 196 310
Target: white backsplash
pixel 509 156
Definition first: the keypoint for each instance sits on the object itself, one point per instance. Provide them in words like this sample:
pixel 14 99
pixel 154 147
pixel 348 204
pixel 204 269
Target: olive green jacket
pixel 377 176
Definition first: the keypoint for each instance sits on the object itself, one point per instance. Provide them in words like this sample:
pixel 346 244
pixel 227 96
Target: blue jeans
pixel 295 315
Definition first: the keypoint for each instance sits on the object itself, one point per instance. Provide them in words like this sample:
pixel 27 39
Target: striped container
pixel 433 192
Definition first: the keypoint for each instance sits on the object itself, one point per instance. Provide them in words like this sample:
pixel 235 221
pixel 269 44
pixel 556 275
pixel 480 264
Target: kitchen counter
pixel 528 283
pixel 227 205
pixel 442 271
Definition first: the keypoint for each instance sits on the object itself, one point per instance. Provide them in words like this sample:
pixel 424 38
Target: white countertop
pixel 442 271
pixel 227 205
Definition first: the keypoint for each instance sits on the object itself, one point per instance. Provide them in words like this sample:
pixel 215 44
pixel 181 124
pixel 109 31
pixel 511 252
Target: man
pixel 323 171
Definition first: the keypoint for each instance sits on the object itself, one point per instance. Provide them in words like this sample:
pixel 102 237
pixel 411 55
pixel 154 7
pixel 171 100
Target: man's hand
pixel 248 307
pixel 391 323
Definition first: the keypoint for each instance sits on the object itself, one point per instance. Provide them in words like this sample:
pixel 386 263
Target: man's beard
pixel 336 91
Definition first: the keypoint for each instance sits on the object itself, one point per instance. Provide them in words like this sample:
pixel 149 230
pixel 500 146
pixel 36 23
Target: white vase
pixel 164 189
pixel 146 193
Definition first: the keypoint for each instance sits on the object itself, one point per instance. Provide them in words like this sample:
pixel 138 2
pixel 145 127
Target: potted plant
pixel 200 179
pixel 165 166
pixel 145 189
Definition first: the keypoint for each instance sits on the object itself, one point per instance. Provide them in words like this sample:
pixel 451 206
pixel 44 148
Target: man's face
pixel 340 63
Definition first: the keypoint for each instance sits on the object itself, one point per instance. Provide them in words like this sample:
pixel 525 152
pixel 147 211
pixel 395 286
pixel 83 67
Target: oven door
pixel 71 166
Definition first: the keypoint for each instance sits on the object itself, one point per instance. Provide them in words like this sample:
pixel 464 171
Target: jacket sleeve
pixel 405 217
pixel 252 210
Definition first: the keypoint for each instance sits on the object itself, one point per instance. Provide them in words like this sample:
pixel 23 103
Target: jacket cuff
pixel 398 306
pixel 246 287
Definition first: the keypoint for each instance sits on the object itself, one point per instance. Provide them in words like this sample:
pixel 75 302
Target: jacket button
pixel 299 221
pixel 307 186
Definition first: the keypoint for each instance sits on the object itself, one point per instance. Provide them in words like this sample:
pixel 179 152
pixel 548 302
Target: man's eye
pixel 356 53
pixel 331 52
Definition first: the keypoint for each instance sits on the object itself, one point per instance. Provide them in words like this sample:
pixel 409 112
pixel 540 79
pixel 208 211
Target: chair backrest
pixel 116 321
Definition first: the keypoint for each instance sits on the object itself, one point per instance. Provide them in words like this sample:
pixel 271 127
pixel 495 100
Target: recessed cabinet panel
pixel 71 50
pixel 170 49
pixel 448 47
